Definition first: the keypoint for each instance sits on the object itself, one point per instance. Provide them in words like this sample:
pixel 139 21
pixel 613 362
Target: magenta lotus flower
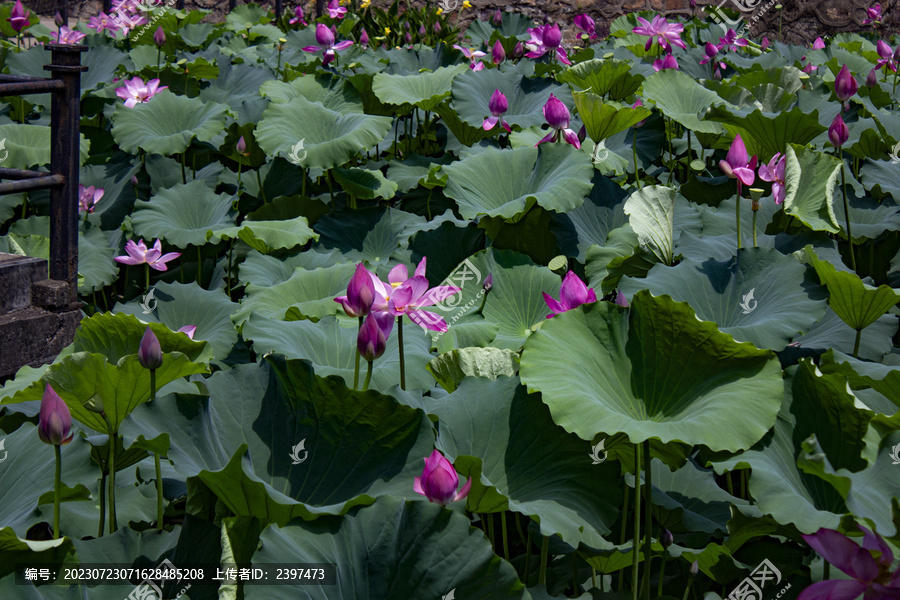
pixel 104 22
pixel 669 62
pixel 298 19
pixel 335 10
pixel 138 254
pixel 159 37
pixel 774 173
pixel 572 293
pixel 844 85
pixel 325 38
pixel 372 338
pixel 498 54
pixel 498 106
pixel 18 18
pixel 732 41
pixel 88 197
pixel 67 36
pixel 818 44
pixel 404 295
pixel 765 44
pixel 838 133
pixel 137 92
pixel 808 68
pixel 587 25
pixel 868 565
pixel 439 481
pixel 874 13
pixel 364 38
pixel 188 330
pixel 557 115
pixel 472 55
pixel 546 39
pixel 736 164
pixel 660 30
pixel 149 352
pixel 360 293
pixel 55 420
pixel 887 58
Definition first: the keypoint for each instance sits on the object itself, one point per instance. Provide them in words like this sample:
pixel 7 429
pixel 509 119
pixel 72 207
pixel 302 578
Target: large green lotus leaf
pixel 856 303
pixel 861 374
pixel 590 223
pixel 183 214
pixel 604 77
pixel 869 219
pixel 29 145
pixel 604 119
pixel 121 386
pixel 265 270
pixel 425 90
pixel 312 293
pixel 654 371
pixel 332 92
pixel 167 123
pixel 466 135
pixel 96 267
pixel 651 214
pixel 16 551
pixel 513 25
pixel 176 305
pixel 394 549
pixel 330 138
pixel 810 177
pixel 762 296
pixel 832 332
pixel 681 98
pixel 500 444
pixel 331 347
pixel 766 134
pixel 451 368
pixel 365 184
pixel 525 97
pixel 506 183
pixel 356 446
pixel 269 236
pixel 882 174
pixel 238 87
pixel 779 488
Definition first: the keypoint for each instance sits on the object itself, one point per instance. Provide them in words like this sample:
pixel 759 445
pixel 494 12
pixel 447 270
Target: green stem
pixel 240 182
pixel 545 549
pixel 662 574
pixel 56 489
pixel 687 588
pixel 113 525
pixel 527 557
pixel 636 536
pixel 102 504
pixel 159 491
pixel 624 532
pixel 503 534
pixel 754 230
pixel 146 277
pixel 847 214
pixel 356 366
pixel 637 177
pixel 489 525
pixel 737 216
pixel 648 519
pixel 230 254
pixel 368 376
pixel 574 573
pixel 400 347
pixel 594 579
pixel 262 190
pixel 744 484
pixel 728 483
pixel 158 57
pixel 856 343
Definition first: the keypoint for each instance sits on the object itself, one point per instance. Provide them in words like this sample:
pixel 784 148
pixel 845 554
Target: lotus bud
pixel 666 538
pixel 150 354
pixel 421 31
pixel 439 481
pixel 872 79
pixel 498 18
pixel 519 50
pixel 818 44
pixel 360 293
pixel 488 282
pixel 159 37
pixel 406 25
pixel 241 146
pixel 552 36
pixel 371 340
pixel 408 38
pixel 695 568
pixel 324 36
pixel 55 420
pixel 498 54
pixel 621 300
pixel 18 17
pixel 582 134
pixel 844 84
pixel 134 180
pixel 556 113
pixel 364 38
pixel 765 43
pixel 838 133
pixel 57 18
pixel 437 27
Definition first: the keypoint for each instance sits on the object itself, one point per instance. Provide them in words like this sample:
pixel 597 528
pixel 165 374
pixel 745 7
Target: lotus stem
pixel 847 215
pixel 662 573
pixel 755 245
pixel 737 209
pixel 400 347
pixel 489 527
pixel 648 519
pixel 240 182
pixel 624 528
pixel 356 366
pixel 56 487
pixel 744 494
pixel 574 573
pixel 545 550
pixel 368 376
pixel 826 571
pixel 159 492
pixel 637 176
pixel 146 277
pixel 637 522
pixel 856 343
pixel 594 579
pixel 503 534
pixel 230 255
pixel 527 556
pixel 262 190
pixel 111 460
pixel 687 588
pixel 102 504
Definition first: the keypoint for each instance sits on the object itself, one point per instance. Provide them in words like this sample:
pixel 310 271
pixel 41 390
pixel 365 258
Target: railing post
pixel 231 5
pixel 278 9
pixel 65 115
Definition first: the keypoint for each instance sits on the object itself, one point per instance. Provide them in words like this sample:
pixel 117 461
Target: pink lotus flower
pixel 736 164
pixel 498 106
pixel 572 293
pixel 439 481
pixel 874 13
pixel 808 68
pixel 587 25
pixel 325 37
pixel 55 420
pixel 137 92
pixel 360 293
pixel 774 173
pixel 335 10
pixel 732 41
pixel 18 18
pixel 103 22
pixel 139 254
pixel 557 115
pixel 868 565
pixel 818 44
pixel 669 62
pixel 297 19
pixel 546 39
pixel 472 55
pixel 88 197
pixel 636 104
pixel 372 338
pixel 887 57
pixel 188 330
pixel 404 295
pixel 664 32
pixel 67 36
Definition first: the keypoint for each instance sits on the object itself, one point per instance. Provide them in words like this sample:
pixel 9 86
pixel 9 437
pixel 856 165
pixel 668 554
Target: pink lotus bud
pixel 408 37
pixel 872 78
pixel 241 146
pixel 421 31
pixel 324 36
pixel 437 27
pixel 552 36
pixel 498 18
pixel 373 335
pixel 18 18
pixel 360 293
pixel 621 300
pixel 150 354
pixel 439 481
pixel 55 420
pixel 844 84
pixel 819 44
pixel 556 113
pixel 765 43
pixel 159 37
pixel 57 18
pixel 498 105
pixel 364 38
pixel 838 133
pixel 498 54
pixel 519 50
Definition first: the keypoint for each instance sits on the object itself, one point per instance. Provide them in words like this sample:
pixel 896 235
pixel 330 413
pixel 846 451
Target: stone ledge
pixel 17 274
pixel 34 337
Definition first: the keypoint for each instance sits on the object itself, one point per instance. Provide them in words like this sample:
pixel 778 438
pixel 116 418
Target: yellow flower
pixel 387 31
pixel 365 4
pixel 440 10
pixel 467 4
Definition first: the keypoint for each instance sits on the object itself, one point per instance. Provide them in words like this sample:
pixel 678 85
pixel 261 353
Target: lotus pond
pixel 472 314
